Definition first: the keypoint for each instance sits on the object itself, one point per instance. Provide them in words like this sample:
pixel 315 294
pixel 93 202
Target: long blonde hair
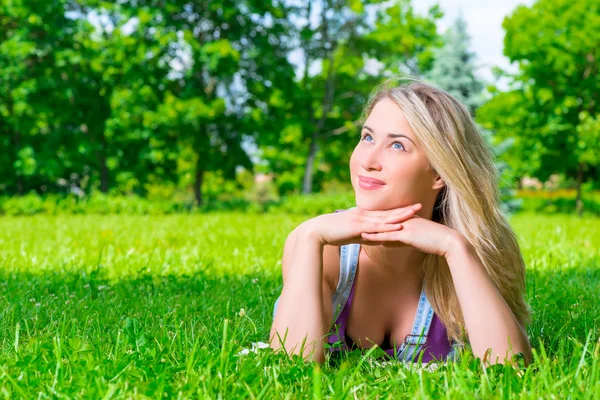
pixel 470 201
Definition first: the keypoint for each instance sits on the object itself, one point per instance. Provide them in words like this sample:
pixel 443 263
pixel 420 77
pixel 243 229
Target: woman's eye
pixel 400 144
pixel 366 135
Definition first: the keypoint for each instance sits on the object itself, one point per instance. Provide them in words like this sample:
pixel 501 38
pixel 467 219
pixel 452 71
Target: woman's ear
pixel 438 182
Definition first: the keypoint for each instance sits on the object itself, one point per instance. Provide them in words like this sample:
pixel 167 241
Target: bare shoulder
pixel 331 260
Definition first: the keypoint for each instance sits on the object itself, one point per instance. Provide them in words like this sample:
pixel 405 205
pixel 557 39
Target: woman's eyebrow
pixel 390 135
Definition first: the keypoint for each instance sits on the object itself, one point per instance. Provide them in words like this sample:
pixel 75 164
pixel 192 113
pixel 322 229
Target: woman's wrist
pixel 456 244
pixel 308 232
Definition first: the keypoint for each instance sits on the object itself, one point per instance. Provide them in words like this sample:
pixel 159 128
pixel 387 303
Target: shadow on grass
pixel 150 310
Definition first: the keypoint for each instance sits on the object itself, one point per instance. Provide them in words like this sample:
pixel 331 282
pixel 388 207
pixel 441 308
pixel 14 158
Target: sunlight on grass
pixel 136 306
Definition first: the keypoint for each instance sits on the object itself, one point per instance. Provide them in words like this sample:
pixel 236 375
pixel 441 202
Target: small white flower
pixel 255 347
pixel 243 352
pixel 254 280
pixel 38 304
pixel 242 312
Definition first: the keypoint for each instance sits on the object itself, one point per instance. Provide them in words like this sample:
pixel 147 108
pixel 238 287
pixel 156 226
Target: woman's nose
pixel 370 161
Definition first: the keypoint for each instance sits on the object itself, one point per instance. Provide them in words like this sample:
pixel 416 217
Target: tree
pixel 35 36
pixel 74 94
pixel 117 72
pixel 454 67
pixel 552 109
pixel 229 58
pixel 338 43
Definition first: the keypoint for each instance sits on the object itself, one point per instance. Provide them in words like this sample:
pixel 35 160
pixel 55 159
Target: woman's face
pixel 389 152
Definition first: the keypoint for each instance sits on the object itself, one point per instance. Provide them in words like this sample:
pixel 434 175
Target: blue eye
pixel 364 136
pixel 401 147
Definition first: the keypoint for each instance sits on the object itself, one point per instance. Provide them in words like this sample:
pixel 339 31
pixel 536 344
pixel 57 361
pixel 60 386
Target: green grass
pixel 149 307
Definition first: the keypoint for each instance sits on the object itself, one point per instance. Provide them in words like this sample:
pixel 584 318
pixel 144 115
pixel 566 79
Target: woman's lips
pixel 369 183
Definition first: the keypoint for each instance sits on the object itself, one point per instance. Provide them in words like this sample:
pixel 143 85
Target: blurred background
pixel 153 107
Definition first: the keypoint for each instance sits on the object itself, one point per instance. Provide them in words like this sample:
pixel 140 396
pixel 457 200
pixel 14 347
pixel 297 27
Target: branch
pixel 342 129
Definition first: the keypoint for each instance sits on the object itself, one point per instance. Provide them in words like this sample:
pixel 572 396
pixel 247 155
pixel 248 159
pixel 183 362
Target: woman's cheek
pixel 354 164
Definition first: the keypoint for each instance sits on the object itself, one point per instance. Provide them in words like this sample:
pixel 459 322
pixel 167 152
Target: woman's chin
pixel 371 205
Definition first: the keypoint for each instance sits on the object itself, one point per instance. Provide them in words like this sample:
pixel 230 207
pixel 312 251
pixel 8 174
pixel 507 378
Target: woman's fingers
pixel 400 216
pixel 393 219
pixel 385 221
pixel 381 227
pixel 411 208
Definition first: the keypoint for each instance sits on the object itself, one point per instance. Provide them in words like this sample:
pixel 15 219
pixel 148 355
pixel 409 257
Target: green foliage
pixel 98 203
pixel 314 204
pixel 551 110
pixel 454 67
pixel 553 202
pixel 259 199
pixel 119 96
pixel 262 199
pixel 35 38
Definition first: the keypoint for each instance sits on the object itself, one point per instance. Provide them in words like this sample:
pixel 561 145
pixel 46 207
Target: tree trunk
pixel 578 200
pixel 103 174
pixel 20 184
pixel 103 166
pixel 198 182
pixel 326 104
pixel 310 162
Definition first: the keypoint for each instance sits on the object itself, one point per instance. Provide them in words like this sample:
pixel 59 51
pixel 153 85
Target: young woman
pixel 425 262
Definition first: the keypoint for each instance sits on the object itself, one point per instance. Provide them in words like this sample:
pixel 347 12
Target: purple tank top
pixel 438 346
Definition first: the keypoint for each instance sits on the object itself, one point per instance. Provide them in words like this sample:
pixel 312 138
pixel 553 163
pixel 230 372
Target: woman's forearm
pixel 489 321
pixel 300 308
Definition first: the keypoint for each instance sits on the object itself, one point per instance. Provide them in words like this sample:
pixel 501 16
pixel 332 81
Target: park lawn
pixel 151 306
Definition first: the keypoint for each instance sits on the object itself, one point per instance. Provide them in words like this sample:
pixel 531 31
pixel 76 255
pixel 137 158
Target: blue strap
pixel 418 336
pixel 348 263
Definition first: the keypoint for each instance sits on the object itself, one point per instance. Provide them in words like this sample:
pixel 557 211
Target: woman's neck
pixel 400 266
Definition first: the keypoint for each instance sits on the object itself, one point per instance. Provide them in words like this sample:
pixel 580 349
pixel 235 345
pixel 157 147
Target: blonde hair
pixel 470 201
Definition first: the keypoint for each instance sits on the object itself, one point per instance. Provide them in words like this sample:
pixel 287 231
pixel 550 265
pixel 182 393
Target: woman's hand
pixel 347 227
pixel 421 233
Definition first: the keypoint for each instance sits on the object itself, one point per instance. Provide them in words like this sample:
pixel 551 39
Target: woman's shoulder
pixel 331 261
pixel 331 264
